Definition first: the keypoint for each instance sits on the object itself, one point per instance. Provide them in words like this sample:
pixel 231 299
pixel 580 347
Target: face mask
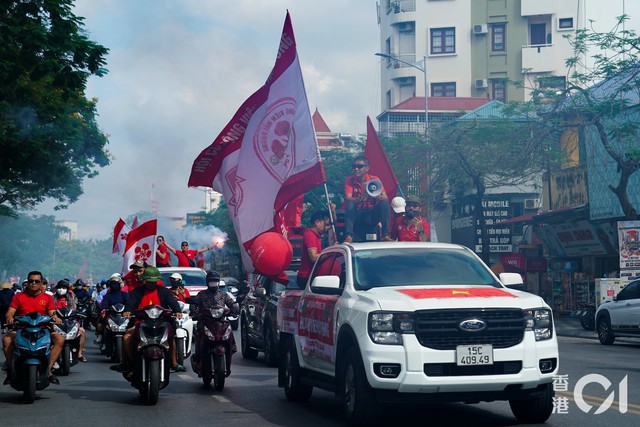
pixel 213 285
pixel 62 291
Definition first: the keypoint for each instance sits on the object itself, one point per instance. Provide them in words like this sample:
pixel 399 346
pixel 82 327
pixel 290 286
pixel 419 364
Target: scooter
pixel 70 330
pixel 152 359
pixel 216 346
pixel 115 327
pixel 587 316
pixel 31 355
pixel 184 334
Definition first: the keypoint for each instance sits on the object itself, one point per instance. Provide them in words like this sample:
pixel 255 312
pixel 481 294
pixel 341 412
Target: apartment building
pixel 473 48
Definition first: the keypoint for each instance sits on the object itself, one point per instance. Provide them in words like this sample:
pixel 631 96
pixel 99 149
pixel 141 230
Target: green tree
pixel 601 100
pixel 49 139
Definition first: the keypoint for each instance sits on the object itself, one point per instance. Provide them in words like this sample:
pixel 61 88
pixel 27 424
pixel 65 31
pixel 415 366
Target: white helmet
pixel 398 204
pixel 176 276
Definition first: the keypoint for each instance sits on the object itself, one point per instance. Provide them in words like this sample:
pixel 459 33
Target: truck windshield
pixel 418 266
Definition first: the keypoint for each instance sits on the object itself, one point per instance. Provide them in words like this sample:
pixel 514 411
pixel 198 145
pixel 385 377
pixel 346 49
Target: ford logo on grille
pixel 472 325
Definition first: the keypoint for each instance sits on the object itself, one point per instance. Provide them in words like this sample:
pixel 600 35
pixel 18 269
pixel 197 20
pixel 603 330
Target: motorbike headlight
pixel 117 327
pixel 153 312
pixel 217 312
pixel 388 327
pixel 74 331
pixel 540 322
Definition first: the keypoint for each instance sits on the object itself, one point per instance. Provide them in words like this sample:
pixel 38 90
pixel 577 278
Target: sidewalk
pixel 567 326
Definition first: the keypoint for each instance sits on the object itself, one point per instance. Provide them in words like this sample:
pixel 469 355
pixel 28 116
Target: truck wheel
pixel 270 347
pixel 247 351
pixel 358 401
pixel 534 411
pixel 605 334
pixel 293 388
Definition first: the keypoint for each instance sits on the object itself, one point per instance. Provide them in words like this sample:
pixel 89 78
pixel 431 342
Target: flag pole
pixel 333 225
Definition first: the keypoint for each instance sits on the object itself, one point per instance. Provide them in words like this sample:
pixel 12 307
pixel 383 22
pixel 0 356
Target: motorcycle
pixel 216 348
pixel 70 330
pixel 31 355
pixel 152 358
pixel 115 327
pixel 184 333
pixel 587 316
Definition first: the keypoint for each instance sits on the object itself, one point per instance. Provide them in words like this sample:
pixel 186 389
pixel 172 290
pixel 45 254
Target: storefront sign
pixel 576 239
pixel 629 246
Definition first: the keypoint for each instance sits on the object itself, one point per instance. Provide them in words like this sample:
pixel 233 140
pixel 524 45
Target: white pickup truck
pixel 387 322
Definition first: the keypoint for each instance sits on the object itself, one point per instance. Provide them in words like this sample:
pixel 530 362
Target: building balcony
pixel 401 6
pixel 537 7
pixel 538 58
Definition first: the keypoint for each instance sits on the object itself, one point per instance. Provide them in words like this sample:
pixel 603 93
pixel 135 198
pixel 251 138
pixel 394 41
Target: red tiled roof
pixel 437 103
pixel 318 122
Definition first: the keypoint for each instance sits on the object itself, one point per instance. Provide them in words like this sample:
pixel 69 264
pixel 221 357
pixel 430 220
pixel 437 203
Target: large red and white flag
pixel 379 162
pixel 267 154
pixel 141 245
pixel 120 232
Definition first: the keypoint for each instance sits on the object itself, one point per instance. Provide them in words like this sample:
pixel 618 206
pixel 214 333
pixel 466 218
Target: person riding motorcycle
pixel 149 294
pixel 177 287
pixel 210 298
pixel 64 298
pixel 113 296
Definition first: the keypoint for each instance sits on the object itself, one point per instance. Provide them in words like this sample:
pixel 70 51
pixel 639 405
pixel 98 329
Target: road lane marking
pixel 220 399
pixel 596 401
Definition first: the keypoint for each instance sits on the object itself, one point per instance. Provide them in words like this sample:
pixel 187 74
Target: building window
pixel 443 40
pixel 538 34
pixel 443 89
pixel 565 24
pixel 499 89
pixel 388 99
pixel 498 37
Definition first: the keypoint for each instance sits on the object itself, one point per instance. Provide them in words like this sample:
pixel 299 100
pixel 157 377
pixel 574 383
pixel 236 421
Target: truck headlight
pixel 539 321
pixel 387 327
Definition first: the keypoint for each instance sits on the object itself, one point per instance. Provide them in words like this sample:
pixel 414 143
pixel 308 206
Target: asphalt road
pixel 94 395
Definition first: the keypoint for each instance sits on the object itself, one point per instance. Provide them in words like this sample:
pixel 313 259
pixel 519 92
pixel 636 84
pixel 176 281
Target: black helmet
pixel 213 276
pixel 79 283
pixel 62 284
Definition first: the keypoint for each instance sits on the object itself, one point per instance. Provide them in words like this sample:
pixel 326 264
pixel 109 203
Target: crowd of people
pixel 140 287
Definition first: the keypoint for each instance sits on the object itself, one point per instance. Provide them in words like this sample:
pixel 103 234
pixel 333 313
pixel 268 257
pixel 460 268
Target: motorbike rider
pixel 65 298
pixel 149 294
pixel 177 287
pixel 113 296
pixel 32 299
pixel 210 298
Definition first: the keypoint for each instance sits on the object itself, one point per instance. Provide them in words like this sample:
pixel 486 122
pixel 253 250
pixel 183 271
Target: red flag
pixel 141 245
pixel 135 223
pixel 120 232
pixel 379 163
pixel 267 154
pixel 292 213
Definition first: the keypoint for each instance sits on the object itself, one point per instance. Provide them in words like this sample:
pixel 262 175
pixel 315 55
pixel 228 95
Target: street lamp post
pixel 421 66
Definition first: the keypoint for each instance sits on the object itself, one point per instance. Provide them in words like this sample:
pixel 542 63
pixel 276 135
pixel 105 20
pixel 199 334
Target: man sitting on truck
pixel 312 245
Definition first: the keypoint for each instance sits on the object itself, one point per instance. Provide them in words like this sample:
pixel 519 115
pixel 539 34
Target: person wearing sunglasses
pixel 32 299
pixel 187 257
pixel 360 205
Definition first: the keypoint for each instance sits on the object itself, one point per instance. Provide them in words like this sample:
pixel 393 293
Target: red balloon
pixel 271 253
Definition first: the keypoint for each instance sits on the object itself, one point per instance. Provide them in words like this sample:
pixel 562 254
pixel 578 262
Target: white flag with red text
pixel 141 245
pixel 120 232
pixel 267 155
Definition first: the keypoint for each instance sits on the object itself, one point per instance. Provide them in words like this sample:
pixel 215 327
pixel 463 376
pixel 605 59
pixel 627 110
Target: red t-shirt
pixel 149 298
pixel 25 303
pixel 185 256
pixel 407 231
pixel 310 239
pixel 356 188
pixel 166 262
pixel 181 297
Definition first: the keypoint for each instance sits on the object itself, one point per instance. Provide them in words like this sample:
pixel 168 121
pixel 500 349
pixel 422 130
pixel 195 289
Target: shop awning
pixel 570 213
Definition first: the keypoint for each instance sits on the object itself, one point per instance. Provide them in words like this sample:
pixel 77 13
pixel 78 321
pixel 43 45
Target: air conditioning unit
pixel 531 203
pixel 482 83
pixel 480 29
pixel 405 27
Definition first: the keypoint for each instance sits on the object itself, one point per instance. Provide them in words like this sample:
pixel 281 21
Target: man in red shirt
pixel 32 299
pixel 359 202
pixel 163 257
pixel 312 245
pixel 411 227
pixel 186 257
pixel 132 278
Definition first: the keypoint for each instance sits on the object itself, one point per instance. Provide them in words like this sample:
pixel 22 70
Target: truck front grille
pixel 440 329
pixel 452 370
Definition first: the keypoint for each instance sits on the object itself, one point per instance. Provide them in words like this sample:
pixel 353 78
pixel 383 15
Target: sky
pixel 178 71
